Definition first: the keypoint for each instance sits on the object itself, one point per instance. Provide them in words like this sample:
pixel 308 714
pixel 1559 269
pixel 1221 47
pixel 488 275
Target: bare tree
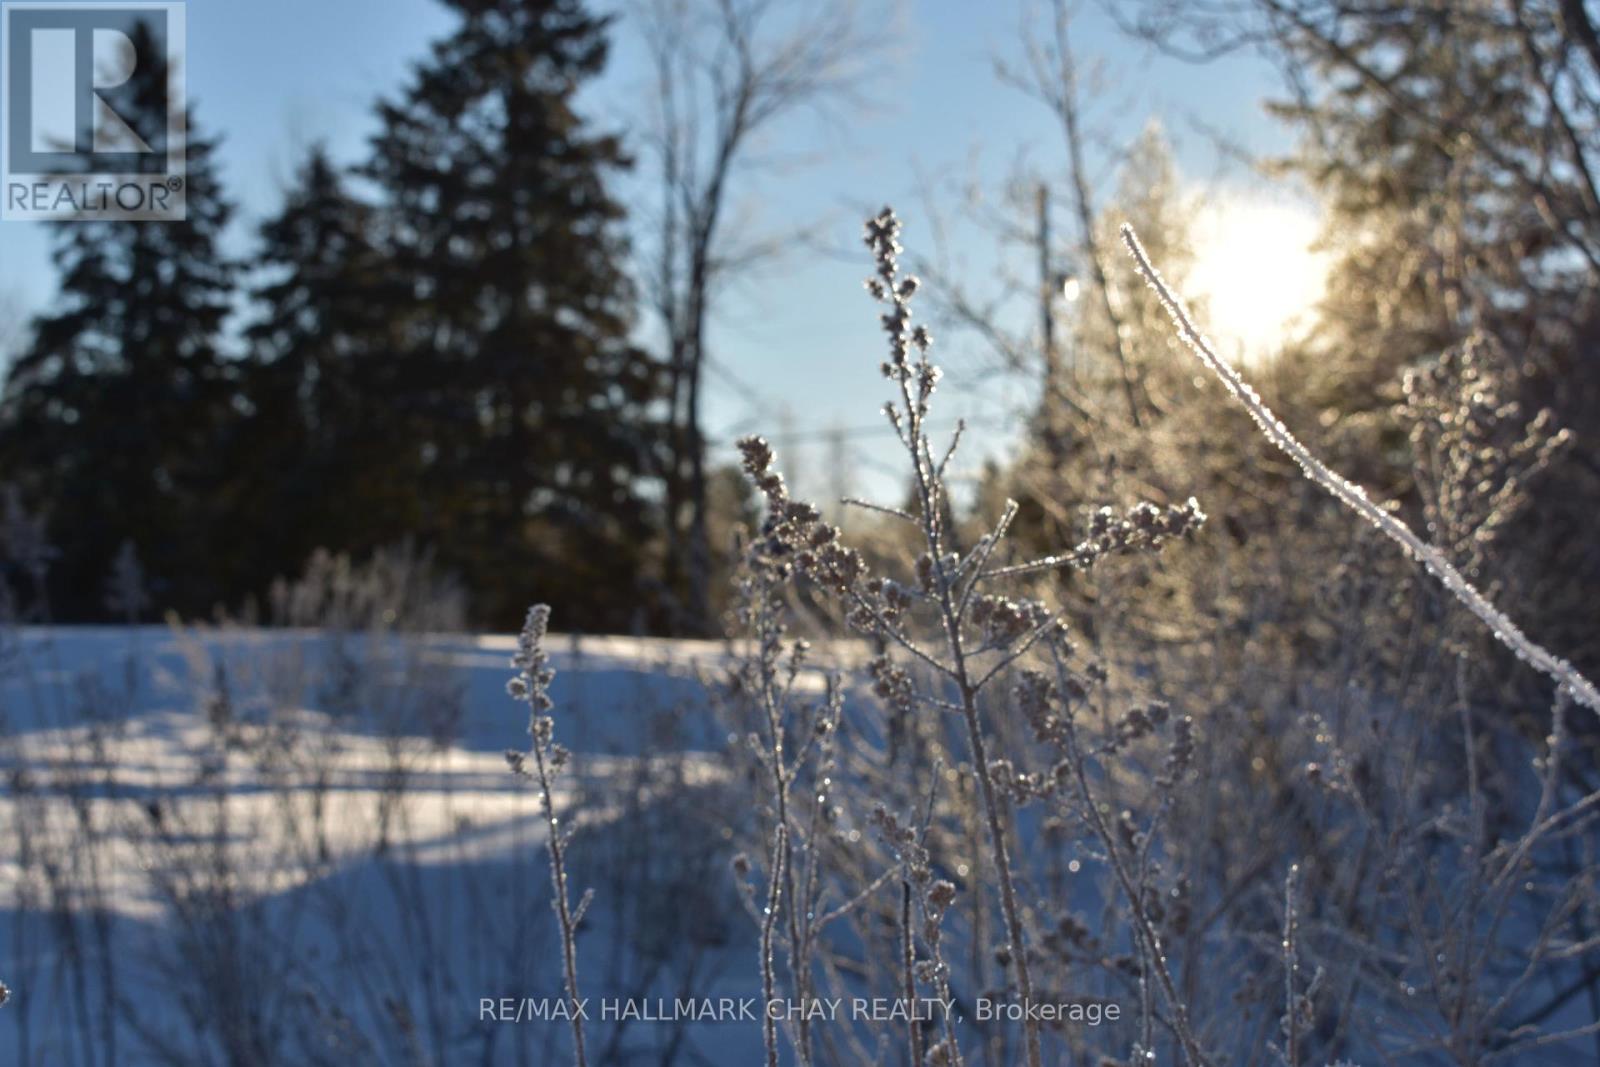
pixel 1049 72
pixel 725 72
pixel 1050 75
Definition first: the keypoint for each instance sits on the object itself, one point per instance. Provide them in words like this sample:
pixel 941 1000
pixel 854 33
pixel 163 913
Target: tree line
pixel 438 343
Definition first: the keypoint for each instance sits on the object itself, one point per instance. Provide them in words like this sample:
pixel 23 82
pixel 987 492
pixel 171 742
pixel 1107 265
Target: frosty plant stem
pixel 916 386
pixel 1355 498
pixel 973 636
pixel 777 870
pixel 532 685
pixel 1144 929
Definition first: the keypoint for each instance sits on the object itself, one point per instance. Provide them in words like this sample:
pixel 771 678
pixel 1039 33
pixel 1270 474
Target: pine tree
pixel 523 401
pixel 112 421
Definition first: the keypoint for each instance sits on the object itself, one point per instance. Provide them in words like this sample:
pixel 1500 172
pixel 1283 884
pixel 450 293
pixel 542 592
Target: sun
pixel 1256 270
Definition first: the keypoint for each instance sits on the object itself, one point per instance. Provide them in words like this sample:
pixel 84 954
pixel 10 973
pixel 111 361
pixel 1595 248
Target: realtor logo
pixel 92 122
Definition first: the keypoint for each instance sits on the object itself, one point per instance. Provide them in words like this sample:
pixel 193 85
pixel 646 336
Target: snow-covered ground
pixel 250 846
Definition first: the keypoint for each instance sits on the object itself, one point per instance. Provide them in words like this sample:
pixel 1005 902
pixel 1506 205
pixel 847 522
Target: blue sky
pixel 795 340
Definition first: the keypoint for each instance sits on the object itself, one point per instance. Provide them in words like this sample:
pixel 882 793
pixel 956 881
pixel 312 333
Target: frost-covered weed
pixel 1474 452
pixel 947 622
pixel 127 596
pixel 531 685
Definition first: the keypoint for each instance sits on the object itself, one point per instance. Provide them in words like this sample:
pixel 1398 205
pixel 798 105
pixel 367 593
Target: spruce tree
pixel 113 420
pixel 522 399
pixel 317 462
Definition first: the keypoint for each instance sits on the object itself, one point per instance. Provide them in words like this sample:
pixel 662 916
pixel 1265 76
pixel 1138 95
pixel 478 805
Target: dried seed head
pixel 1181 754
pixel 892 684
pixel 941 895
pixel 1003 621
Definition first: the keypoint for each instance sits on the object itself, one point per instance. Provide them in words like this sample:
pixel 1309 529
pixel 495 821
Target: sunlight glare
pixel 1256 271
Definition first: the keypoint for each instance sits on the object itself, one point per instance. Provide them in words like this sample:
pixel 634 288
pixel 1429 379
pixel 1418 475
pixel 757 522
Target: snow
pixel 153 773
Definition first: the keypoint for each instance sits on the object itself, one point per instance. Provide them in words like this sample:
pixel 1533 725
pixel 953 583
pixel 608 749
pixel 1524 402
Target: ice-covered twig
pixel 1355 498
pixel 867 505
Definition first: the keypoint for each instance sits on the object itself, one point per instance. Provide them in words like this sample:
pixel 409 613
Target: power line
pixel 749 393
pixel 823 434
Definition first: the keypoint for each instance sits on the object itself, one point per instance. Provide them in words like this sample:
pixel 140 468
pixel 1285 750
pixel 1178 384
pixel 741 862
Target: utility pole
pixel 1051 422
pixel 1047 294
pixel 838 474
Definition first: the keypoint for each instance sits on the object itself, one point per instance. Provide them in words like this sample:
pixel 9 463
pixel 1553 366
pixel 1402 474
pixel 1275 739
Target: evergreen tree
pixel 317 463
pixel 112 420
pixel 523 403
